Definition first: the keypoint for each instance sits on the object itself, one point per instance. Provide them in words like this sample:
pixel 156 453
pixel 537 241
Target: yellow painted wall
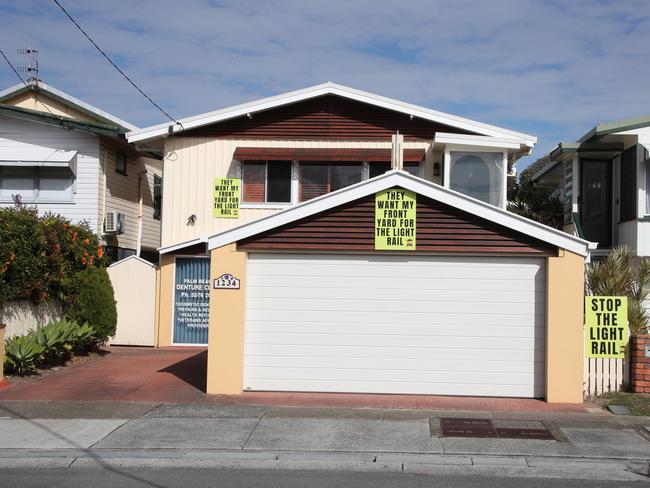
pixel 165 300
pixel 226 329
pixel 120 193
pixel 192 163
pixel 564 328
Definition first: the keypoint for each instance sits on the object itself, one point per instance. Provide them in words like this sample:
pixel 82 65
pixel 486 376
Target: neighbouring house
pixel 65 156
pixel 371 252
pixel 604 181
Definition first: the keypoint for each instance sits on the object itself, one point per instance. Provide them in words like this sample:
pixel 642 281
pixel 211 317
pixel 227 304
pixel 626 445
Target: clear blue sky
pixel 549 68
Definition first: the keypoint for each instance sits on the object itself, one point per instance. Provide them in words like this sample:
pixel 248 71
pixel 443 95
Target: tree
pixel 536 203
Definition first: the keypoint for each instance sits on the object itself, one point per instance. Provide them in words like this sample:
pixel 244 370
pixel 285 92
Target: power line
pixel 12 67
pixel 27 85
pixel 114 65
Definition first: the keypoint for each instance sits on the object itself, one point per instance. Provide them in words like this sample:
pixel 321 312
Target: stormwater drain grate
pixel 485 428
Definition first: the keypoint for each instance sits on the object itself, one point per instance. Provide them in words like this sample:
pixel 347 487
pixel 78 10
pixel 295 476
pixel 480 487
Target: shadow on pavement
pixel 192 370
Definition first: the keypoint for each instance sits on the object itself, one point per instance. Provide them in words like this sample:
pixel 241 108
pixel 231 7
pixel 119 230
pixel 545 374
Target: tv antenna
pixel 32 68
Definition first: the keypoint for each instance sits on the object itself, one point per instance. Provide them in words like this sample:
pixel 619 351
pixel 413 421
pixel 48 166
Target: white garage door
pixel 395 324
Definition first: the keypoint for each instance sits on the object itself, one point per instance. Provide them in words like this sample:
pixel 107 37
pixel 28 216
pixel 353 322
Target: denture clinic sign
pixel 606 327
pixel 226 198
pixel 395 211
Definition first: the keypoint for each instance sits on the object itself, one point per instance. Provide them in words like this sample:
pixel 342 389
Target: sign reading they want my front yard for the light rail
pixel 395 211
pixel 226 198
pixel 606 327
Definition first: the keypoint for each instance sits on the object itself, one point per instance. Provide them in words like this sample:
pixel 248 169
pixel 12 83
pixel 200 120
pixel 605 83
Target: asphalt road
pixel 218 478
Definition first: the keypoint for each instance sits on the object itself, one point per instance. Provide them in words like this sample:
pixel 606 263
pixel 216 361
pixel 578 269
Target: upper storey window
pixel 479 175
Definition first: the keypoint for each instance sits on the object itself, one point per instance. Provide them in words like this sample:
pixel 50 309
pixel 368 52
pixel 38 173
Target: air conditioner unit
pixel 114 222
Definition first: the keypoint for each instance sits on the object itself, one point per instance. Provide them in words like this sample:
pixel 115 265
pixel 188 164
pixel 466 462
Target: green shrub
pixel 57 340
pixel 47 346
pixel 622 273
pixel 40 255
pixel 85 338
pixel 22 355
pixel 93 302
pixel 23 261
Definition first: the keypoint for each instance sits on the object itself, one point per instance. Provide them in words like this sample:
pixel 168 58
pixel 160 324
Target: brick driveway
pixel 138 374
pixel 178 375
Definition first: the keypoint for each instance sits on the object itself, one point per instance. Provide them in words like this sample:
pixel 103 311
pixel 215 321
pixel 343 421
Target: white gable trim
pixel 75 102
pixel 133 256
pixel 445 138
pixel 417 185
pixel 182 245
pixel 329 88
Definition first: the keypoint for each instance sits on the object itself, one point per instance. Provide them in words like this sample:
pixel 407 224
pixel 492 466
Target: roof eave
pixel 66 99
pixel 63 122
pixel 163 130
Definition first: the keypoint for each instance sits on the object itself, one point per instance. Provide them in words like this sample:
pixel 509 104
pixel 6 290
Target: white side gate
pixel 134 283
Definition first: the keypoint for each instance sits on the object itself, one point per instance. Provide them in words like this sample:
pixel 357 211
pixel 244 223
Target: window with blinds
pixel 317 179
pixel 266 182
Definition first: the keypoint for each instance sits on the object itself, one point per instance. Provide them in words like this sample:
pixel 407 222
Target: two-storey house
pixel 65 156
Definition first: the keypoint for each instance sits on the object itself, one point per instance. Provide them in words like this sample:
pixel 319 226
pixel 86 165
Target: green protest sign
pixel 395 218
pixel 606 327
pixel 226 198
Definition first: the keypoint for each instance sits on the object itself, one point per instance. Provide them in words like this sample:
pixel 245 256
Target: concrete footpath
pixel 78 435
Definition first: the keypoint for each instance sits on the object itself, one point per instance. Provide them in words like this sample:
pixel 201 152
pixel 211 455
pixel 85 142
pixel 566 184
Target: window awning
pixel 38 156
pixel 323 154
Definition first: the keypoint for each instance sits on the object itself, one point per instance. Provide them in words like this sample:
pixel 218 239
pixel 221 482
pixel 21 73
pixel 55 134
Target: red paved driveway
pixel 135 374
pixel 178 375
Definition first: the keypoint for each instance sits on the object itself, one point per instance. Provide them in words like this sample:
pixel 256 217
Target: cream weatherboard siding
pixel 20 134
pixel 43 103
pixel 449 325
pixel 120 193
pixel 192 163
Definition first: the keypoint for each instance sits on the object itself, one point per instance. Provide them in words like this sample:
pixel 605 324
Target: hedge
pixel 48 257
pixel 40 256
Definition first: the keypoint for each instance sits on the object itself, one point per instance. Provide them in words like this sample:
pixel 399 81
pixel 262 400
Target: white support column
pixel 641 181
pixel 576 184
pixel 295 187
pixel 504 190
pixel 446 168
pixel 397 151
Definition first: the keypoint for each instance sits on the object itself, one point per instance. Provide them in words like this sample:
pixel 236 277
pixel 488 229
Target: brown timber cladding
pixel 440 228
pixel 324 118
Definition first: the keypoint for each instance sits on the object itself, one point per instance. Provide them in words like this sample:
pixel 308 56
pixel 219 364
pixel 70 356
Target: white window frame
pixel 36 185
pixel 295 183
pixel 268 205
pixel 446 166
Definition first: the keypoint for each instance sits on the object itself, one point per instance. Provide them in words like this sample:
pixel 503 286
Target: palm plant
pixel 623 274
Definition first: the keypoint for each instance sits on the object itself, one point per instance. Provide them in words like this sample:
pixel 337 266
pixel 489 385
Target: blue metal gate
pixel 191 300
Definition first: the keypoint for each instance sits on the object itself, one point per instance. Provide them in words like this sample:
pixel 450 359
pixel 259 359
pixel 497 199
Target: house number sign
pixel 226 281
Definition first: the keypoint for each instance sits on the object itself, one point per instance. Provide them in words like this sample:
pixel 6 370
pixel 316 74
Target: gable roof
pixel 616 126
pixel 329 88
pixel 418 185
pixel 66 99
pixel 67 123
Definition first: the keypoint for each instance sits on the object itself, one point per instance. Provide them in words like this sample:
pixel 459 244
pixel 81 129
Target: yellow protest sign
pixel 226 198
pixel 606 327
pixel 395 219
